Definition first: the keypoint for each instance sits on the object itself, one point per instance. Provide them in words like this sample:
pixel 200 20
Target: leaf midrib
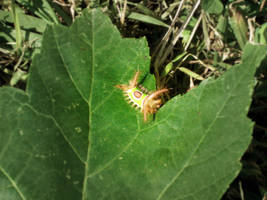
pixel 87 164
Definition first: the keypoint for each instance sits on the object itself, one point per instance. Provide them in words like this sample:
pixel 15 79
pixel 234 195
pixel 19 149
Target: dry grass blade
pixel 161 55
pixel 121 10
pixel 167 35
pixel 193 32
pixel 177 35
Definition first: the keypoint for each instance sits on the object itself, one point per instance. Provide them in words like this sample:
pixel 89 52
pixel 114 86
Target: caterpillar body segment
pixel 138 96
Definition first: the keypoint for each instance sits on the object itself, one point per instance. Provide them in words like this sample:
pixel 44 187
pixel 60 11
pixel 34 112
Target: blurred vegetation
pixel 190 41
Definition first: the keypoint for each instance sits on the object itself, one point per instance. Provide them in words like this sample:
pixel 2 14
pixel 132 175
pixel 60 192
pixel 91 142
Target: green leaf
pixel 29 25
pixel 212 131
pixel 261 34
pixel 239 25
pixel 41 9
pixel 142 9
pixel 27 22
pixel 222 24
pixel 191 73
pixel 9 34
pixel 72 135
pixel 212 6
pixel 147 19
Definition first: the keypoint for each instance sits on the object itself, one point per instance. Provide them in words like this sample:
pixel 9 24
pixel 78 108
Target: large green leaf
pixel 73 136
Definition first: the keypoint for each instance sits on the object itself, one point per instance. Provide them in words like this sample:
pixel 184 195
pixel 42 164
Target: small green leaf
pixel 261 34
pixel 222 24
pixel 142 8
pixel 191 73
pixel 27 22
pixel 239 25
pixel 9 35
pixel 29 25
pixel 72 135
pixel 147 19
pixel 40 8
pixel 212 6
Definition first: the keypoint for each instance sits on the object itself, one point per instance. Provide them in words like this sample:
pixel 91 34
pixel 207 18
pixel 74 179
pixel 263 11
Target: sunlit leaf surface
pixel 72 135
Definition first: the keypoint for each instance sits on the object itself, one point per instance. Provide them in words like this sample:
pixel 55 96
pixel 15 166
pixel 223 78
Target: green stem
pixel 16 24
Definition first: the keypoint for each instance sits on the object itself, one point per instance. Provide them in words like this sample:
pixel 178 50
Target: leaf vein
pixel 13 183
pixel 200 141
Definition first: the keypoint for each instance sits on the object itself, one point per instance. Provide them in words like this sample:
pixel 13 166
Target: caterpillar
pixel 140 98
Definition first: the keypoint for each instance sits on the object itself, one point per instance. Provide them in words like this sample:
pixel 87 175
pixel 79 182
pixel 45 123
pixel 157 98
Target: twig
pixel 193 32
